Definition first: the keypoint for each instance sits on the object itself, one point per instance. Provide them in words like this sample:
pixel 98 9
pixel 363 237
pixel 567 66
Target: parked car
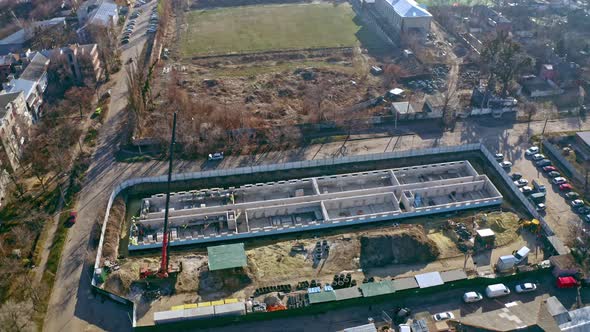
pixel 553 174
pixel 543 162
pixel 505 164
pixel 587 218
pixel 531 151
pixel 443 316
pixel 583 210
pixel 559 180
pixel 541 207
pixel 577 203
pixel 548 169
pixel 526 287
pixel 125 41
pixel 572 195
pixel 538 156
pixel 516 176
pixel 565 187
pixel 499 156
pixel 216 156
pixel 526 190
pixel 72 218
pixel 471 297
pixel 521 182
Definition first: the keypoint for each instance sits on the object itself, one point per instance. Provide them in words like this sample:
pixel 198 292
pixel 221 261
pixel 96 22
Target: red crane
pixel 164 270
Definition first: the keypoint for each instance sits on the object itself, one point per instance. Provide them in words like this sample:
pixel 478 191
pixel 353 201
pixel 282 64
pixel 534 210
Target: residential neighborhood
pixel 237 165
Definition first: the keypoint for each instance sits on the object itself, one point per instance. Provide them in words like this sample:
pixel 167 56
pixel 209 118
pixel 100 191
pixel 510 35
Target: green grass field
pixel 269 27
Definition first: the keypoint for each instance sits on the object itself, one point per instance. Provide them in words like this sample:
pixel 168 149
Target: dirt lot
pixel 395 248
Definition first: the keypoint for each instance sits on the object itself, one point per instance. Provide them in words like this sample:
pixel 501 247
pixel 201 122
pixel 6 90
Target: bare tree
pixel 391 74
pixel 80 97
pixel 16 316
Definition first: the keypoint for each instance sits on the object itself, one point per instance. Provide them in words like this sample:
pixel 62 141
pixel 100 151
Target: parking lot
pixel 143 19
pixel 559 214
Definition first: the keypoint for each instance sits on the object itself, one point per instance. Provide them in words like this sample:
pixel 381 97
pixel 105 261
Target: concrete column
pixel 324 211
pixel 316 188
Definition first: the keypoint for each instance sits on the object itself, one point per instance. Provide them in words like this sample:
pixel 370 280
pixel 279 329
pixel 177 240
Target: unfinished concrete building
pixel 312 203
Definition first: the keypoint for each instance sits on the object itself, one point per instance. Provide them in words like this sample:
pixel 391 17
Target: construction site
pixel 295 242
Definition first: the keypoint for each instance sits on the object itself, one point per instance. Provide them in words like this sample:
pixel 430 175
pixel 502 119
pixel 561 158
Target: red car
pixel 72 218
pixel 565 187
pixel 548 169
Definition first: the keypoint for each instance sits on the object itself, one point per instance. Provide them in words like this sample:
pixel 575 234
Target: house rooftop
pixel 5 99
pixel 580 321
pixel 36 68
pixel 584 136
pixel 530 316
pixel 104 12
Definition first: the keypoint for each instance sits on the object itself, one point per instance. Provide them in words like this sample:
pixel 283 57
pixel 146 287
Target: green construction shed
pixel 227 256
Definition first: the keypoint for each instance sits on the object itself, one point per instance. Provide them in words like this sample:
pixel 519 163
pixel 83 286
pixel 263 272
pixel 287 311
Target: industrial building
pixel 404 16
pixel 296 205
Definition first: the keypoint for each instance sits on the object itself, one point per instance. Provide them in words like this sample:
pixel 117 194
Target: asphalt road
pixel 72 307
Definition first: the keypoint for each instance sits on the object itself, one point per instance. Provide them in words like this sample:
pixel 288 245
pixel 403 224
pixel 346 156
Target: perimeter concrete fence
pixel 308 164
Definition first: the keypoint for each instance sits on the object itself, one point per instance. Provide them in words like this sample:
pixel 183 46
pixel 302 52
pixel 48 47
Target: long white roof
pixel 408 8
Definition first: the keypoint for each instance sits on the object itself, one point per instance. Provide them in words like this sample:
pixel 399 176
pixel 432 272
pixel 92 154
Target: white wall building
pixel 405 15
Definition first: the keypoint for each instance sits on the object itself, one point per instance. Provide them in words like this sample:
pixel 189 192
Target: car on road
pixel 472 297
pixel 71 218
pixel 526 287
pixel 565 187
pixel 526 190
pixel 572 195
pixel 125 41
pixel 543 162
pixel 521 182
pixel 538 156
pixel 559 180
pixel 505 164
pixel 499 156
pixel 541 207
pixel 531 151
pixel 215 156
pixel 587 218
pixel 548 169
pixel 516 176
pixel 443 316
pixel 577 203
pixel 553 174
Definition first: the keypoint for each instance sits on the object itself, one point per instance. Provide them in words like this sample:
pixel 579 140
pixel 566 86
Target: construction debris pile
pixel 411 246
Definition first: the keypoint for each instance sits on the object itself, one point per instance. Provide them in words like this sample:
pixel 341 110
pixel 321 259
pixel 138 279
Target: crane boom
pixel 163 273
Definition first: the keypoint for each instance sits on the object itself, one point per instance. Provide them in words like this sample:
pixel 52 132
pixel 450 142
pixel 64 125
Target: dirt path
pixel 48 243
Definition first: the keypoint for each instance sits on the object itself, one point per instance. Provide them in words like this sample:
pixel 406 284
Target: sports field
pixel 268 27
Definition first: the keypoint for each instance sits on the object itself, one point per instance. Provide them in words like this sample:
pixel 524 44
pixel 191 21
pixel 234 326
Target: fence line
pixel 570 169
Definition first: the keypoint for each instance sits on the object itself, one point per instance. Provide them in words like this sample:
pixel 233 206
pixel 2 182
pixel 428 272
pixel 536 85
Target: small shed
pixel 322 297
pixel 564 265
pixel 485 237
pixel 453 275
pixel 430 279
pixel 377 288
pixel 405 283
pixel 227 256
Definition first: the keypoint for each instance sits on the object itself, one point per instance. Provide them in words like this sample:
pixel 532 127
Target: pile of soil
pixel 113 230
pixel 397 248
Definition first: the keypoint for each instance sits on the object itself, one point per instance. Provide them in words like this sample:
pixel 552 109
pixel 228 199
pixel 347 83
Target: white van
pixel 471 297
pixel 497 290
